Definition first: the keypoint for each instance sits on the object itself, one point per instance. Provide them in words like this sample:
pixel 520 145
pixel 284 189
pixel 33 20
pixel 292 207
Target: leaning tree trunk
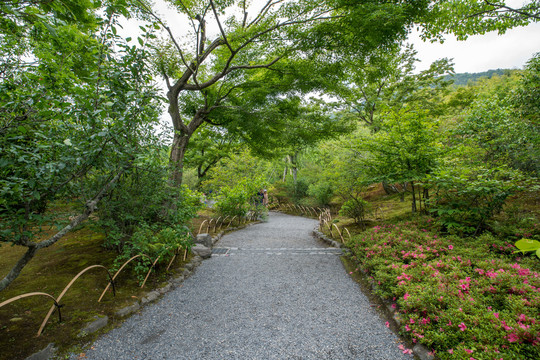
pixel 176 161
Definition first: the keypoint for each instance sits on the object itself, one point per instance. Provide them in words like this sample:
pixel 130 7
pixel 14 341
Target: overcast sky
pixel 482 52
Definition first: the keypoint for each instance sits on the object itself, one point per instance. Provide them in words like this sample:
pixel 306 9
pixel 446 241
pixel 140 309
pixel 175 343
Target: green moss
pixel 50 271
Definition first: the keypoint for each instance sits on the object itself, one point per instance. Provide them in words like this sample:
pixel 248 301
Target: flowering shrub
pixel 454 295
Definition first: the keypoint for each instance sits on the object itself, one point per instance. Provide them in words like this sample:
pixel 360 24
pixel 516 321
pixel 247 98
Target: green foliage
pixel 154 242
pixel 466 199
pixel 504 138
pixel 528 245
pixel 454 295
pixel 471 78
pixel 159 204
pixel 296 191
pixel 474 17
pixel 235 168
pixel 85 116
pixel 322 192
pixel 241 198
pixel 356 209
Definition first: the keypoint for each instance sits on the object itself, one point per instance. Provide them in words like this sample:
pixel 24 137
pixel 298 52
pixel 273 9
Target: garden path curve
pixel 278 294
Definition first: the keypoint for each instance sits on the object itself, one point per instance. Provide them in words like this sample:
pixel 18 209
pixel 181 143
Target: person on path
pixel 265 198
pixel 260 197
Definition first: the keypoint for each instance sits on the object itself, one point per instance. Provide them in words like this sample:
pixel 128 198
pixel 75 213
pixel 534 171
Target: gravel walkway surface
pixel 277 294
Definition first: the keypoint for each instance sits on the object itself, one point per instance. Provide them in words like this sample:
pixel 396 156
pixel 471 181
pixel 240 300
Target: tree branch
pixel 34 247
pixel 221 27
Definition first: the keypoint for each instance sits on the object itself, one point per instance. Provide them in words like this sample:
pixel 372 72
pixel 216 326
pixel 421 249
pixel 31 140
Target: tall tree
pixel 278 30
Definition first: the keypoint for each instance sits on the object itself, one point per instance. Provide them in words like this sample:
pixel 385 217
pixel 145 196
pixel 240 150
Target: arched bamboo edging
pixel 67 288
pixel 151 267
pixel 347 230
pixel 208 226
pixel 200 227
pixel 215 225
pixel 172 259
pixel 339 233
pixel 230 222
pixel 58 306
pixel 118 272
pixel 223 221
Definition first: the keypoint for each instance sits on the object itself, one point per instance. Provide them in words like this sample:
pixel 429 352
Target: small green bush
pixel 464 202
pixel 356 209
pixel 322 192
pixel 151 241
pixel 241 198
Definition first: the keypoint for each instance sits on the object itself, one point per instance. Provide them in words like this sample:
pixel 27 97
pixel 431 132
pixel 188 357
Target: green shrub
pixel 241 198
pixel 151 241
pixel 464 202
pixel 454 295
pixel 144 196
pixel 322 192
pixel 355 209
pixel 296 191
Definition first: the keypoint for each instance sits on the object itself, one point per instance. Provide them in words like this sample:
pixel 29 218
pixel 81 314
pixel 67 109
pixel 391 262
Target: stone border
pixel 319 235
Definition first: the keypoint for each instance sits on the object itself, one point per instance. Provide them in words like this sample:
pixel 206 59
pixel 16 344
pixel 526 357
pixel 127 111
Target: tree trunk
pixel 176 161
pixel 387 188
pixel 426 197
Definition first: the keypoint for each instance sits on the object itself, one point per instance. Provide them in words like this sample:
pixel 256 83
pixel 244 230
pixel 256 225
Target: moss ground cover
pixel 462 298
pixel 50 271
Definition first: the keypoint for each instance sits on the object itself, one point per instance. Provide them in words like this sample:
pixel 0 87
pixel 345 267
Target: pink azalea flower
pixel 451 351
pixel 406 296
pixel 450 247
pixel 387 324
pixel 462 327
pixel 469 351
pixel 513 337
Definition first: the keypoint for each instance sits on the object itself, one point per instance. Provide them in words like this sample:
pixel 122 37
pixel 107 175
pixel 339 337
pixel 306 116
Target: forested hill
pixel 464 78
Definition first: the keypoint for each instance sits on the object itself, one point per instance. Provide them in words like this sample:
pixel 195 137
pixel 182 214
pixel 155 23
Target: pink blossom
pixel 387 324
pixel 462 327
pixel 450 247
pixel 411 320
pixel 469 351
pixel 407 328
pixel 406 296
pixel 451 351
pixel 496 315
pixel 513 337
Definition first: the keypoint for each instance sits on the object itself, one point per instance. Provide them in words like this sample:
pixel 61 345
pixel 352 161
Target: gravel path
pixel 277 294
